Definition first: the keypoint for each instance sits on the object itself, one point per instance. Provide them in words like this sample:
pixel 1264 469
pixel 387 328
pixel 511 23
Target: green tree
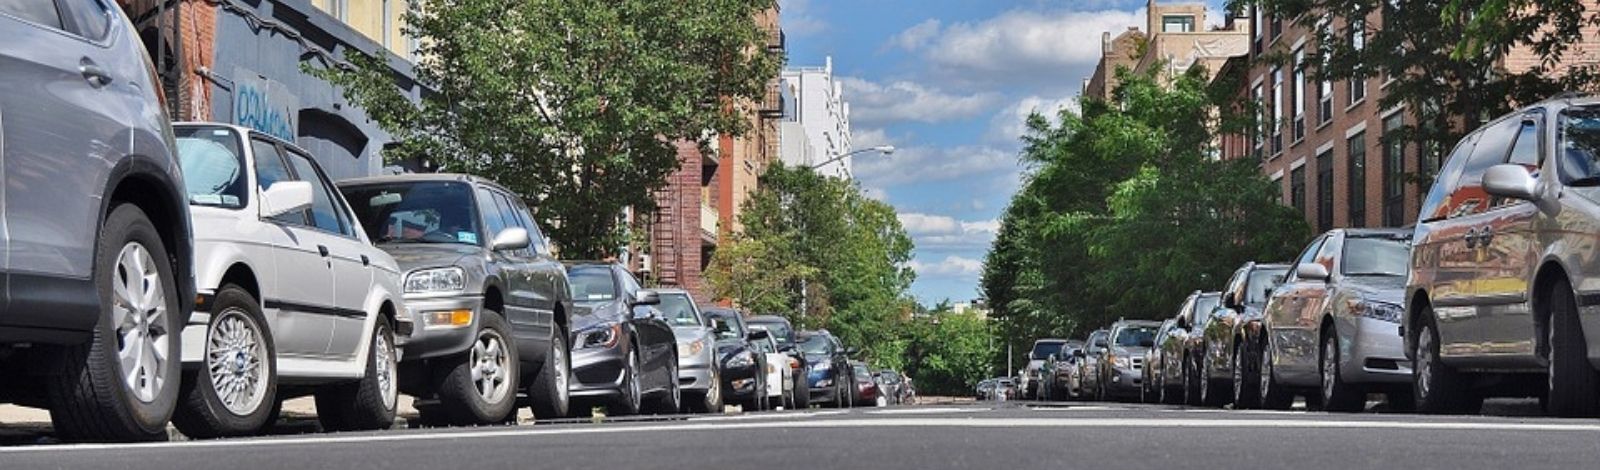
pixel 575 103
pixel 948 353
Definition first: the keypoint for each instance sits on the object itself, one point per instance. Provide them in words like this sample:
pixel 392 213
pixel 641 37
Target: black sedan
pixel 744 378
pixel 623 352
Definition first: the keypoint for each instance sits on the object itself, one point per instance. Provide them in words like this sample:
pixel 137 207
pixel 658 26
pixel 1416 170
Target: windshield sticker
pixel 467 237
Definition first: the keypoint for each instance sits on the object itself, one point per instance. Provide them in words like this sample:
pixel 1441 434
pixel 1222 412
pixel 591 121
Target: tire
pixel 1246 377
pixel 1191 383
pixel 1210 392
pixel 1574 385
pixel 369 403
pixel 710 401
pixel 465 400
pixel 671 400
pixel 90 400
pixel 1337 395
pixel 630 401
pixel 549 390
pixel 1273 396
pixel 801 398
pixel 839 399
pixel 1439 388
pixel 239 363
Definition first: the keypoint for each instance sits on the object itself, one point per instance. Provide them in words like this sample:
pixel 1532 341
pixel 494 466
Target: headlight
pixel 1376 310
pixel 743 359
pixel 603 336
pixel 692 348
pixel 451 279
pixel 1123 362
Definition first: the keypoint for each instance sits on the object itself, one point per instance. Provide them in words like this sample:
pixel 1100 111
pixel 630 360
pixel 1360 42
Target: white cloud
pixel 932 165
pixel 798 18
pixel 877 194
pixel 902 101
pixel 1019 44
pixel 939 232
pixel 1011 123
pixel 868 137
pixel 950 266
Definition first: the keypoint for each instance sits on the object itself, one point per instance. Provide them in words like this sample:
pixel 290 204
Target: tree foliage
pixel 575 103
pixel 1123 212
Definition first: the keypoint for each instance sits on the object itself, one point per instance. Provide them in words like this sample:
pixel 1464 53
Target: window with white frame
pixel 1299 95
pixel 1256 97
pixel 1277 110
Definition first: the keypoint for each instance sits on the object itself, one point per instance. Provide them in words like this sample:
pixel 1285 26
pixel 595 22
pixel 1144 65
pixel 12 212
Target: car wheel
pixel 1439 388
pixel 1273 396
pixel 1210 394
pixel 480 385
pixel 1191 383
pixel 671 400
pixel 551 398
pixel 233 394
pixel 1337 395
pixel 368 403
pixel 628 402
pixel 1246 372
pixel 801 392
pixel 1573 381
pixel 123 384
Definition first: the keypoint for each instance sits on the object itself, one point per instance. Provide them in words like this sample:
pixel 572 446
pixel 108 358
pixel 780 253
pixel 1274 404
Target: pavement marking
pixel 766 416
pixel 1077 408
pixel 328 439
pixel 918 411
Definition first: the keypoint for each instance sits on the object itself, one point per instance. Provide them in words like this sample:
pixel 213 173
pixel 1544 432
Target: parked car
pixel 1203 310
pixel 1086 382
pixel 1033 375
pixel 784 334
pixel 699 370
pixel 95 217
pixel 829 362
pixel 779 379
pixel 896 390
pixel 1334 325
pixel 984 389
pixel 1166 369
pixel 272 240
pixel 1058 371
pixel 1150 391
pixel 481 284
pixel 1237 347
pixel 1122 371
pixel 744 377
pixel 867 391
pixel 1005 389
pixel 624 353
pixel 1502 276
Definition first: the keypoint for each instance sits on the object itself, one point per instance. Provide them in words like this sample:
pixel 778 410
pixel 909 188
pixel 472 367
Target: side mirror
pixel 1311 271
pixel 284 197
pixel 645 297
pixel 514 238
pixel 1230 300
pixel 1511 180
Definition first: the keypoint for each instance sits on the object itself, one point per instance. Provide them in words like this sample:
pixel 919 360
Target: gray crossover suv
pixel 1122 371
pixel 1503 290
pixel 96 281
pixel 489 300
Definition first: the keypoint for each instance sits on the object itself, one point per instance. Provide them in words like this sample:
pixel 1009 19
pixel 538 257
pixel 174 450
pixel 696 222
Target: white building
pixel 816 121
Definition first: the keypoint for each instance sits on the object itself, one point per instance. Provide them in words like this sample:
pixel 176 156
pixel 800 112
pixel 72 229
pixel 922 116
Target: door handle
pixel 92 73
pixel 365 261
pixel 323 249
pixel 1485 236
pixel 1471 238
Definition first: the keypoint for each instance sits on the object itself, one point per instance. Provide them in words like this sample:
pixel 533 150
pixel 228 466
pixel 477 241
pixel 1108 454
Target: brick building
pixel 1175 40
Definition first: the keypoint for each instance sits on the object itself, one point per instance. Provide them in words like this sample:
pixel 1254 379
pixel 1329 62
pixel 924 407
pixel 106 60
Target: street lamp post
pixel 885 149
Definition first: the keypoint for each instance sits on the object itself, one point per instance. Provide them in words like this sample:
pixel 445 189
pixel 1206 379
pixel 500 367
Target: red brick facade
pixel 675 234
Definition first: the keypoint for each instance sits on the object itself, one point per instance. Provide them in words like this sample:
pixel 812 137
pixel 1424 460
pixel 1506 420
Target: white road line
pixel 1077 408
pixel 842 423
pixel 765 416
pixel 923 411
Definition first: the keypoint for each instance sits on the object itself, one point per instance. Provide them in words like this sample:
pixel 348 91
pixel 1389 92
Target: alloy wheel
pixel 631 376
pixel 563 371
pixel 490 367
pixel 384 366
pixel 1424 365
pixel 236 360
pixel 139 314
pixel 1266 370
pixel 1330 371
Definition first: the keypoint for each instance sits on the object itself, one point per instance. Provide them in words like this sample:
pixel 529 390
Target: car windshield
pixel 779 331
pixel 1095 341
pixel 1580 145
pixel 592 284
pixel 1203 305
pixel 816 344
pixel 417 212
pixel 1042 351
pixel 212 166
pixel 727 327
pixel 1375 256
pixel 1262 281
pixel 1135 336
pixel 678 310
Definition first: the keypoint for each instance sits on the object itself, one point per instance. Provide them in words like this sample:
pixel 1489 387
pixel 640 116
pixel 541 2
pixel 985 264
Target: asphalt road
pixel 1009 435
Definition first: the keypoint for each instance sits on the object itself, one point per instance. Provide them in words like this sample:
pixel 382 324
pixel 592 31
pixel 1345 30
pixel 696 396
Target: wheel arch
pixel 1550 272
pixel 143 182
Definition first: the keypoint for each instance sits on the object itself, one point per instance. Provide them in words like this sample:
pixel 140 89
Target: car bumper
pixel 1124 381
pixel 435 341
pixel 1374 353
pixel 597 372
pixel 740 382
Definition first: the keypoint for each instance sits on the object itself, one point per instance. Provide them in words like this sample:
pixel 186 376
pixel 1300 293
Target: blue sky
pixel 948 82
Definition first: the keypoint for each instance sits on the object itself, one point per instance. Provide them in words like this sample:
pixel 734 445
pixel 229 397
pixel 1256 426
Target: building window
pixel 341 10
pixel 1325 191
pixel 1277 183
pixel 1277 110
pixel 1298 97
pixel 1357 179
pixel 1324 102
pixel 1177 24
pixel 1261 120
pixel 1394 183
pixel 1358 40
pixel 1297 190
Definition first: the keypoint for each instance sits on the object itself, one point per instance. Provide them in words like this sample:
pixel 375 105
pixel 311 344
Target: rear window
pixel 779 331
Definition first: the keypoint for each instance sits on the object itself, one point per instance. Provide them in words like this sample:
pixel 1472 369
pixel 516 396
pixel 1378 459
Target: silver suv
pixel 1503 281
pixel 96 282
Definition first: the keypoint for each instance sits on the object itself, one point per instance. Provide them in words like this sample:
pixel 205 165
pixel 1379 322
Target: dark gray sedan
pixel 623 351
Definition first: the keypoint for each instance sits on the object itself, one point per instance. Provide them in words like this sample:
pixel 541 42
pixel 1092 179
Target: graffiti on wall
pixel 264 105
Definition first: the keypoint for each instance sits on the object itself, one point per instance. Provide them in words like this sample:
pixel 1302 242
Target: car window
pixel 1525 151
pixel 1375 256
pixel 728 327
pixel 780 332
pixel 508 213
pixel 1043 351
pixel 816 344
pixel 270 169
pixel 679 310
pixel 213 166
pixel 1096 341
pixel 1307 256
pixel 41 12
pixel 416 212
pixel 1329 252
pixel 1579 146
pixel 1135 336
pixel 1262 281
pixel 592 284
pixel 1204 304
pixel 629 284
pixel 1494 143
pixel 493 221
pixel 92 17
pixel 1435 207
pixel 324 212
pixel 535 236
